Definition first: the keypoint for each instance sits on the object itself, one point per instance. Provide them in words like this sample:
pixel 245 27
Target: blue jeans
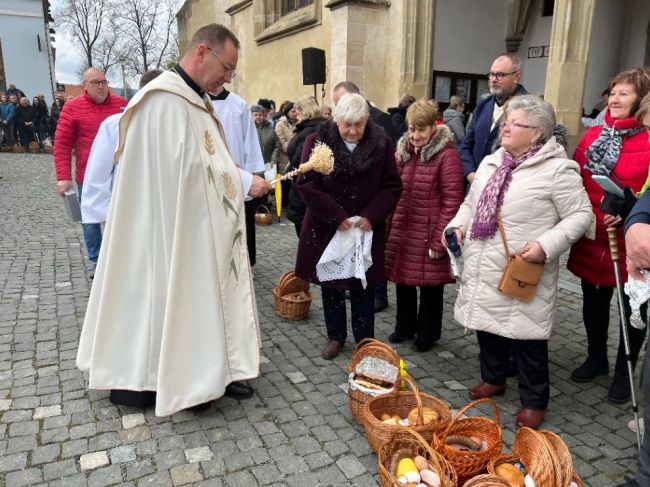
pixel 92 235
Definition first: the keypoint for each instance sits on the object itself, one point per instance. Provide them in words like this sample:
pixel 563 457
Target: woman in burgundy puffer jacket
pixel 619 149
pixel 432 179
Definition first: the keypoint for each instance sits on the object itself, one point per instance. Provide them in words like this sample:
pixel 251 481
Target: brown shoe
pixel 332 349
pixel 532 418
pixel 485 390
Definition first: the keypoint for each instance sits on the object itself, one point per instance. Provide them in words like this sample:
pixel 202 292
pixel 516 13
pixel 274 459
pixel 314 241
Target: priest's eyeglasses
pixel 500 76
pixel 229 70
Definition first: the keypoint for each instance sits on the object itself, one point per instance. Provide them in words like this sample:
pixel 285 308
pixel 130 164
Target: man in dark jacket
pixel 383 120
pixel 26 121
pixel 503 77
pixel 637 245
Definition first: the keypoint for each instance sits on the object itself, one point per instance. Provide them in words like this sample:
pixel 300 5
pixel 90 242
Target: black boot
pixel 397 337
pixel 136 399
pixel 590 369
pixel 619 390
pixel 381 297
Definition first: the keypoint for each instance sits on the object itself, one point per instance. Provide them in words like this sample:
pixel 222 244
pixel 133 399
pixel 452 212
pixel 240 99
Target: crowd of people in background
pixel 408 175
pixel 498 181
pixel 24 122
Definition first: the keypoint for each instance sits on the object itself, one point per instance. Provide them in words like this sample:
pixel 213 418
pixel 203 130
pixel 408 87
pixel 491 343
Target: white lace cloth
pixel 639 293
pixel 347 255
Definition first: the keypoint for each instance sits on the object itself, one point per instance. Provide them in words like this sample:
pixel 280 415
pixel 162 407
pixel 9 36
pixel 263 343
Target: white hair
pixel 540 113
pixel 351 108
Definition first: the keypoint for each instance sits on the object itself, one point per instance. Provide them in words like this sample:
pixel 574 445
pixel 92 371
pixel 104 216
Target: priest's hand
pixel 63 186
pixel 259 187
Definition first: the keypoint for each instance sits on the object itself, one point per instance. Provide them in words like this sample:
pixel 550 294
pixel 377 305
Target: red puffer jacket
pixel 432 193
pixel 77 126
pixel 590 259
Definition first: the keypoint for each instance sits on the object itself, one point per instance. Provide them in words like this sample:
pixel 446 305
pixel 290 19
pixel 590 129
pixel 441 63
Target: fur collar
pixel 439 141
pixel 369 151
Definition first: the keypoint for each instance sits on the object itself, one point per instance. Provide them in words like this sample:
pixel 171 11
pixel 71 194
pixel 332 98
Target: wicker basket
pixel 487 480
pixel 576 478
pixel 408 440
pixel 263 218
pixel 48 149
pixel 471 463
pixel 19 149
pixel 400 403
pixel 563 461
pixel 368 347
pixel 291 308
pixel 34 148
pixel 538 456
pixel 285 296
pixel 512 459
pixel 6 148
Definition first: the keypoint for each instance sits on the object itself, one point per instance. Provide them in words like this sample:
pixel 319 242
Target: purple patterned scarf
pixel 485 219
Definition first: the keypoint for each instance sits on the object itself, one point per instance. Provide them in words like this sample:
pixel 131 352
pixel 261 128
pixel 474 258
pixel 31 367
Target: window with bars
pixel 289 6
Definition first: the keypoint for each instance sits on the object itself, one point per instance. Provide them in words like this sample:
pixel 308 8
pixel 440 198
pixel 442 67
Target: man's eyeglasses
pixel 229 70
pixel 97 83
pixel 500 76
pixel 503 125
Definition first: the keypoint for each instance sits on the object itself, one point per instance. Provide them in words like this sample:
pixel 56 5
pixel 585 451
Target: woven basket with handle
pixel 407 442
pixel 538 457
pixel 400 403
pixel 486 480
pixel 263 218
pixel 471 463
pixel 368 347
pixel 292 297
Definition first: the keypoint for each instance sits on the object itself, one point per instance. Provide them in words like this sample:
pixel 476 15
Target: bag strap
pixel 503 236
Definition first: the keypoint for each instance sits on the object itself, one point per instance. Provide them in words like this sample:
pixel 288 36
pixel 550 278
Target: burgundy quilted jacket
pixel 77 126
pixel 432 193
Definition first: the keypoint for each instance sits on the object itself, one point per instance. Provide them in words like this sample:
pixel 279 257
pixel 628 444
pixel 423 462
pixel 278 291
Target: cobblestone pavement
pixel 297 430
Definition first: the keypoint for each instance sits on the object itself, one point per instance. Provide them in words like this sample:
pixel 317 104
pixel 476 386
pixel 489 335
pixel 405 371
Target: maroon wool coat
pixel 364 183
pixel 432 182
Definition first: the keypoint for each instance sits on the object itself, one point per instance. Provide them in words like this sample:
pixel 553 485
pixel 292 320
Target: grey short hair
pixel 514 59
pixel 348 86
pixel 540 112
pixel 352 108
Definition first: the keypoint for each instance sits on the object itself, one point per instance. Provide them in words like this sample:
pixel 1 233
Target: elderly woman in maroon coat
pixel 432 176
pixel 364 183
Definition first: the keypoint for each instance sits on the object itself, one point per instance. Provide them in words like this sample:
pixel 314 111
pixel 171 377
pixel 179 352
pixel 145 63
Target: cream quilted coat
pixel 546 202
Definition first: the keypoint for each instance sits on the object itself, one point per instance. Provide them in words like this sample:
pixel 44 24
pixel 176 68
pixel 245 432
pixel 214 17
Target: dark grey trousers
pixel 643 477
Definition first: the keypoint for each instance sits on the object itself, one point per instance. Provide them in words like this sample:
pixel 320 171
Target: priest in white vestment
pixel 172 310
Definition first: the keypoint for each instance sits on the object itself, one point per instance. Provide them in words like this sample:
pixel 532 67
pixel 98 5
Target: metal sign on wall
pixel 538 51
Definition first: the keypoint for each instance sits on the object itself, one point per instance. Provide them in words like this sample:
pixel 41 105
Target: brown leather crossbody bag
pixel 520 277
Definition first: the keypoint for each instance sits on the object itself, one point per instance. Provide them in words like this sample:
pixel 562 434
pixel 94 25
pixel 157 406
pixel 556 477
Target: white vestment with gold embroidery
pixel 172 307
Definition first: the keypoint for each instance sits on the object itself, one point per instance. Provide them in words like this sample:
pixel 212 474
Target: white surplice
pixel 98 179
pixel 241 135
pixel 172 306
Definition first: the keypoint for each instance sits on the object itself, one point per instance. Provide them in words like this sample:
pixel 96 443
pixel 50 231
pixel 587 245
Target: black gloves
pixel 622 207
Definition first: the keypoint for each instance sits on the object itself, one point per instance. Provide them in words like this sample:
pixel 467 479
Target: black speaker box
pixel 313 66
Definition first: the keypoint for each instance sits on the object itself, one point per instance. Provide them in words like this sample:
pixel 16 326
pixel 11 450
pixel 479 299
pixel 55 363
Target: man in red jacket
pixel 77 126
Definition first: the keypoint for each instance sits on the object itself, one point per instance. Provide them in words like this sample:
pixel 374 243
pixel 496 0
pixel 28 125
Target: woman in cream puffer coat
pixel 544 209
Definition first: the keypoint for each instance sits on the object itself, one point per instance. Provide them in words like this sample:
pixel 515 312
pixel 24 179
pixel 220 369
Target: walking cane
pixel 613 249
